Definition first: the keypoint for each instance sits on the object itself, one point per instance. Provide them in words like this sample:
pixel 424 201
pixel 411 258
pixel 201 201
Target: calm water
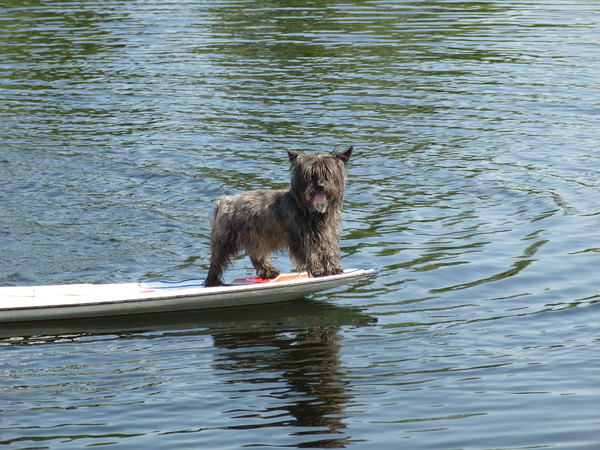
pixel 474 187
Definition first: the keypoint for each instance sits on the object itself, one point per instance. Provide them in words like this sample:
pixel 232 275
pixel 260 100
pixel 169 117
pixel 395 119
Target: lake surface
pixel 473 187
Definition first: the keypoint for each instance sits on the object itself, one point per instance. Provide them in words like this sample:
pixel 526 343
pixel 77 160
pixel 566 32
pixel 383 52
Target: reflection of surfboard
pixel 92 300
pixel 265 319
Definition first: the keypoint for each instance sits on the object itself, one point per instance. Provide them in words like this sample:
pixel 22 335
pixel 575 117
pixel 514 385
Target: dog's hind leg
pixel 264 267
pixel 222 252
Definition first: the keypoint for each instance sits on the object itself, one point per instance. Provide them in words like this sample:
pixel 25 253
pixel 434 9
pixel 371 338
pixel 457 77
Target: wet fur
pixel 297 219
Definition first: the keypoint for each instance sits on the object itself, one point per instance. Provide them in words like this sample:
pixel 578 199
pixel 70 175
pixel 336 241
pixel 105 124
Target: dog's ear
pixel 345 157
pixel 293 156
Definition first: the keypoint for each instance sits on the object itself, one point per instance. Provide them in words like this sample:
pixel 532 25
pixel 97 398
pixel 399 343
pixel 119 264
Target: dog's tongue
pixel 320 198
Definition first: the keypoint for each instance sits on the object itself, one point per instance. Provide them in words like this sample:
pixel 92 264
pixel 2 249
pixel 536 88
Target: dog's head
pixel 318 181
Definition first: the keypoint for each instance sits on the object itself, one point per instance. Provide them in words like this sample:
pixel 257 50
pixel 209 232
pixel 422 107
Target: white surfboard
pixel 32 303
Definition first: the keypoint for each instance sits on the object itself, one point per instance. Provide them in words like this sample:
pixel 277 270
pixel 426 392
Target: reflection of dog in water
pixel 306 219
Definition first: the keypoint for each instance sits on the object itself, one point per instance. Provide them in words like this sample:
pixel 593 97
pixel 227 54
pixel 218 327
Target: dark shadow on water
pixel 291 315
pixel 295 344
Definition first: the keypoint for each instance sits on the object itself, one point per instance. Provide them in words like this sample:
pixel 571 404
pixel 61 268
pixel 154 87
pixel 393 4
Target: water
pixel 473 187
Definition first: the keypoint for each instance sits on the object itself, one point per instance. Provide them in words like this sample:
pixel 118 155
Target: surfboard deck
pixel 33 303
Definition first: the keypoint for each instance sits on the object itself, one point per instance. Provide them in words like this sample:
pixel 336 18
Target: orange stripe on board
pixel 291 276
pixel 286 277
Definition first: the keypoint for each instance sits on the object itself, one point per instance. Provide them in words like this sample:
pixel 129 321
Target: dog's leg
pixel 215 273
pixel 306 255
pixel 222 252
pixel 331 264
pixel 219 260
pixel 318 256
pixel 264 267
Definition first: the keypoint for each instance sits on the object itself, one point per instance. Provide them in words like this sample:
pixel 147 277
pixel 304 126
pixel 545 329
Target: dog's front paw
pixel 323 273
pixel 326 273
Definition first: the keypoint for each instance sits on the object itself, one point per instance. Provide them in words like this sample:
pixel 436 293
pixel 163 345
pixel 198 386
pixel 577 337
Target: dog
pixel 305 219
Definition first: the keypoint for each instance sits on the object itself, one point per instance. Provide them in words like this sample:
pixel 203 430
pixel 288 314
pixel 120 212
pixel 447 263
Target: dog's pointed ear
pixel 293 156
pixel 345 157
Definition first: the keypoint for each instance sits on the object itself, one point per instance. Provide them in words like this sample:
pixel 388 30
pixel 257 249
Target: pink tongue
pixel 320 198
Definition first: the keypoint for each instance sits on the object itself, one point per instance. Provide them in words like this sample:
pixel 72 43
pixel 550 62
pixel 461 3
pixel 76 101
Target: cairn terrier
pixel 305 219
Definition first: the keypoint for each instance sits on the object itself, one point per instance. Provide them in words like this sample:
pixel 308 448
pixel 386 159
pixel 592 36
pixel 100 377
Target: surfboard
pixel 69 301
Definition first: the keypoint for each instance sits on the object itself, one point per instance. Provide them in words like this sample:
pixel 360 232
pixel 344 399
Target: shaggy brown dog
pixel 306 219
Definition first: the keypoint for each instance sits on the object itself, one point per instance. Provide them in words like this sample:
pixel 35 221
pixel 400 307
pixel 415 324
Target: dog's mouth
pixel 320 202
pixel 320 198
